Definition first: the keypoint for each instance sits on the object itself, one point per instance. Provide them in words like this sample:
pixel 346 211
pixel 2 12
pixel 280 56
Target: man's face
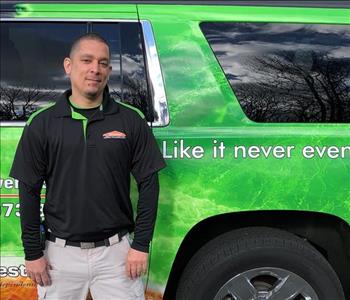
pixel 88 68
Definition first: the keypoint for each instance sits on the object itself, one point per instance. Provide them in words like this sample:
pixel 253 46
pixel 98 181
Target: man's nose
pixel 95 67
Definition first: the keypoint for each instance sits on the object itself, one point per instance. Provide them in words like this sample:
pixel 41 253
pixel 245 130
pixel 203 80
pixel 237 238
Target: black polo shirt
pixel 86 165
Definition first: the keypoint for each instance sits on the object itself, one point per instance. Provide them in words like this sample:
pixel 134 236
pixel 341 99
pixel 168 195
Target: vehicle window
pixel 129 85
pixel 32 73
pixel 285 72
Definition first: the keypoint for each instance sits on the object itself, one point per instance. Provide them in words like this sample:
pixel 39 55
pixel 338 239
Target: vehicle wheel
pixel 258 263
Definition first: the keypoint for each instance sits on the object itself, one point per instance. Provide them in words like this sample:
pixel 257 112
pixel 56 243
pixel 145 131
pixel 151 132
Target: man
pixel 84 147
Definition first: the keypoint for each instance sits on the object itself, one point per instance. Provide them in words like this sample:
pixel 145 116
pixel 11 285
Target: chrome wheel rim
pixel 266 284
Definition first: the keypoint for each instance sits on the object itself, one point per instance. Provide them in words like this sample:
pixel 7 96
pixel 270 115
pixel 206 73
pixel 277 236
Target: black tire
pixel 258 250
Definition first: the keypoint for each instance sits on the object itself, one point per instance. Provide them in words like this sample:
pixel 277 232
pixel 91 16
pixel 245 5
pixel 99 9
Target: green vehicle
pixel 250 104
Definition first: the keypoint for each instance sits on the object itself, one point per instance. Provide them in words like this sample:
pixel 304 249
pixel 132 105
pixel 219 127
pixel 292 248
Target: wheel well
pixel 328 233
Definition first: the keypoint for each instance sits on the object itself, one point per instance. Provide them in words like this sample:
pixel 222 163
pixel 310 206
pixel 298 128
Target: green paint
pixel 38 112
pixel 132 107
pixel 66 11
pixel 201 13
pixel 73 7
pixel 78 116
pixel 203 107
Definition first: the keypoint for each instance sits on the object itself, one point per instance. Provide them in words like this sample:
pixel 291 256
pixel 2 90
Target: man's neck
pixel 83 102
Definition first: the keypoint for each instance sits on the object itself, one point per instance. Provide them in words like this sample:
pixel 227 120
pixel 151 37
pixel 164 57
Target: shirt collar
pixel 63 108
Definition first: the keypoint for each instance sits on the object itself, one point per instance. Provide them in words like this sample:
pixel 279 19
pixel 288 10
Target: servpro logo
pixel 114 135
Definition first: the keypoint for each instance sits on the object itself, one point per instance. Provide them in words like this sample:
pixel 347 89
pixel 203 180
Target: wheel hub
pixel 266 283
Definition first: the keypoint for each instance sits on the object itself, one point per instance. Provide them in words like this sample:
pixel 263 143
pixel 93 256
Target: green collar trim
pixel 132 108
pixel 38 112
pixel 78 116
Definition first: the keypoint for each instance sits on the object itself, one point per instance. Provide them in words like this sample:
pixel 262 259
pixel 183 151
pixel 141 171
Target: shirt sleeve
pixel 29 164
pixel 29 198
pixel 146 212
pixel 147 158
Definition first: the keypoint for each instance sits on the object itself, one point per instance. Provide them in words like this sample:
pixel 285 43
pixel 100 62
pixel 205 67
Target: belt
pixel 87 245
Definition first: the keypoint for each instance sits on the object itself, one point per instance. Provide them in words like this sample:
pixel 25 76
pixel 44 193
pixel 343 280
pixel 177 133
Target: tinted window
pixel 129 84
pixel 285 72
pixel 32 73
pixel 111 33
pixel 32 65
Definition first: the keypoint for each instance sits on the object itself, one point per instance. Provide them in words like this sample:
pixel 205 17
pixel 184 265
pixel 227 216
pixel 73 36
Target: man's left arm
pixel 137 259
pixel 147 160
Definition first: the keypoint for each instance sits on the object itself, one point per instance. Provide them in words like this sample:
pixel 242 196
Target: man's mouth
pixel 93 80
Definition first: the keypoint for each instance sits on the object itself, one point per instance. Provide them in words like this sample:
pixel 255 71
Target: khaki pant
pixel 102 270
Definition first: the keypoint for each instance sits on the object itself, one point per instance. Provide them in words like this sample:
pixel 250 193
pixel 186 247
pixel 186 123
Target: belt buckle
pixel 86 245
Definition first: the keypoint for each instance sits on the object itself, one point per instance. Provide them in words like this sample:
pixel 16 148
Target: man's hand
pixel 38 271
pixel 136 263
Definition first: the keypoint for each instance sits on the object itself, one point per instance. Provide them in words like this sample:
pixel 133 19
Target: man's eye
pixel 86 61
pixel 104 64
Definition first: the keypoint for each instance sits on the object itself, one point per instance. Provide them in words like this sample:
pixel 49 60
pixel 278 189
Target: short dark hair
pixel 87 36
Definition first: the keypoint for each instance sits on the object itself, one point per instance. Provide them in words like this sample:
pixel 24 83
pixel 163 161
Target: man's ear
pixel 67 64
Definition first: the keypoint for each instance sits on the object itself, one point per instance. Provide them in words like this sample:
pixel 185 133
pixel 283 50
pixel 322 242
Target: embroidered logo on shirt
pixel 114 135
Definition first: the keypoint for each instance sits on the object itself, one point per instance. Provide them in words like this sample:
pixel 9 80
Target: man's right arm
pixel 29 168
pixel 29 198
pixel 36 265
